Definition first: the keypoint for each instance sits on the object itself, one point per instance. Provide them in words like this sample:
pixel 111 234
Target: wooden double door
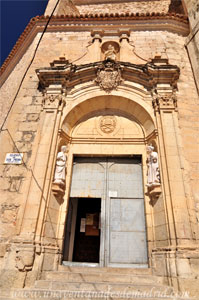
pixel 106 218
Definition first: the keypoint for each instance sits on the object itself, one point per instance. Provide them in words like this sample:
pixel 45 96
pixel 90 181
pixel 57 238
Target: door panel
pixel 126 248
pixel 88 178
pixel 127 232
pixel 127 215
pixel 125 177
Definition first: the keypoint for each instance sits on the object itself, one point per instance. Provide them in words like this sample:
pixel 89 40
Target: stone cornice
pixel 133 21
pixel 69 75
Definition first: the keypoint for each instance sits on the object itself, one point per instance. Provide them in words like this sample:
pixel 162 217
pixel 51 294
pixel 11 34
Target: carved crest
pixel 107 124
pixel 109 76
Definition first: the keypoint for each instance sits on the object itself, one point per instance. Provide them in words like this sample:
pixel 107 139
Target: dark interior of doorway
pixel 87 244
pixel 87 230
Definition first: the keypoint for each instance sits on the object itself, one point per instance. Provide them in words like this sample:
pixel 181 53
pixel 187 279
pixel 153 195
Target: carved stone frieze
pixel 165 101
pixel 109 76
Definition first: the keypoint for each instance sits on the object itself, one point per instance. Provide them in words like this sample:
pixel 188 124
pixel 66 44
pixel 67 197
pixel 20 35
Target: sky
pixel 15 16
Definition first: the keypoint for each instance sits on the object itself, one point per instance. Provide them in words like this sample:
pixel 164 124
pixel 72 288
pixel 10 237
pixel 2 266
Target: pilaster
pixel 165 106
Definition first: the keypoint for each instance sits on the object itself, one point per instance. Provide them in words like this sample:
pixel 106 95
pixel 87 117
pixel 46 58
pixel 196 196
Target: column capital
pixel 53 101
pixel 164 101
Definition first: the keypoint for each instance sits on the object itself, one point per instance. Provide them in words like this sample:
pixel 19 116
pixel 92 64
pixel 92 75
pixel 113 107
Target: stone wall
pixel 65 7
pixel 127 7
pixel 9 90
pixel 193 11
pixel 192 42
pixel 25 114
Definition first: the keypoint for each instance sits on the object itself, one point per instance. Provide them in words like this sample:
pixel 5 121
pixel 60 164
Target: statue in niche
pixel 60 170
pixel 110 53
pixel 153 173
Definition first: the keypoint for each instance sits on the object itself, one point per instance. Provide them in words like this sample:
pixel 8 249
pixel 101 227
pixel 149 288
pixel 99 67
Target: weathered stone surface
pixel 121 7
pixel 149 105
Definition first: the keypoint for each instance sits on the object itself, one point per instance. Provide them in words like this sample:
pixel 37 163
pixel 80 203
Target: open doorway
pixel 114 187
pixel 82 238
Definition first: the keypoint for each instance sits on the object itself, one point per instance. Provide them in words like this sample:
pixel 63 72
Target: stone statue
pixel 110 52
pixel 60 170
pixel 153 172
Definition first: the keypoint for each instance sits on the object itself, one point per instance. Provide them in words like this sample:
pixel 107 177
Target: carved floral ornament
pixel 109 76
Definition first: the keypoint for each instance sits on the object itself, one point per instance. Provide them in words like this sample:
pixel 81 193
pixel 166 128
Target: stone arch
pixel 139 110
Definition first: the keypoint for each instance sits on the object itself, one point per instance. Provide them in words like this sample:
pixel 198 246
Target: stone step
pixel 154 294
pixel 99 286
pixel 84 276
pixel 56 295
pixel 43 294
pixel 80 269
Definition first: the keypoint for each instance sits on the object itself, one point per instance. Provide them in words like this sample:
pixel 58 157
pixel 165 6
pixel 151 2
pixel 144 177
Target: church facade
pixel 99 146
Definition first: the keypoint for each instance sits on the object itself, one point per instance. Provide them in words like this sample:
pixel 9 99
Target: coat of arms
pixel 109 76
pixel 108 124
